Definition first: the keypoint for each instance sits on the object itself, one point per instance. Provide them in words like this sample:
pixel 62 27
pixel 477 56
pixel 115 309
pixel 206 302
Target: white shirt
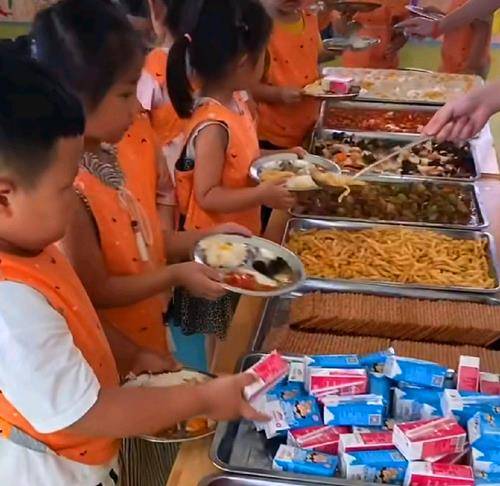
pixel 47 379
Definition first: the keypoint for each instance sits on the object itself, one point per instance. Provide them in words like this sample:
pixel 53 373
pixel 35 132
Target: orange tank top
pixel 241 151
pixel 293 63
pixel 51 274
pixel 377 24
pixel 456 48
pixel 164 119
pixel 128 249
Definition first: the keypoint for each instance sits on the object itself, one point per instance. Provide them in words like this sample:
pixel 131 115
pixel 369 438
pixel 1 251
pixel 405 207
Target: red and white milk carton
pixel 455 458
pixel 489 383
pixel 268 371
pixel 366 441
pixel 427 474
pixel 468 374
pixel 336 84
pixel 321 382
pixel 429 438
pixel 320 439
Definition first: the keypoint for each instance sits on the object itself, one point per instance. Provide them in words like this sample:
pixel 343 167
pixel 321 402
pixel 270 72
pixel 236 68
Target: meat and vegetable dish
pixel 376 120
pixel 430 159
pixel 411 202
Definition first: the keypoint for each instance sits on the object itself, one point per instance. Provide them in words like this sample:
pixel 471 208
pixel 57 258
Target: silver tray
pixel 276 311
pixel 366 105
pixel 346 43
pixel 237 448
pixel 279 251
pixel 477 209
pixel 478 81
pixel 296 224
pixel 259 164
pixel 231 480
pixel 395 139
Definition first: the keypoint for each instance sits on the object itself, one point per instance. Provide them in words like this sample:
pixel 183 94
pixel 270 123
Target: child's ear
pixel 243 60
pixel 7 190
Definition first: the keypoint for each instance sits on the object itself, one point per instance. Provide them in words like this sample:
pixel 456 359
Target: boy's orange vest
pixel 242 150
pixel 377 24
pixel 164 119
pixel 51 274
pixel 456 48
pixel 141 322
pixel 293 63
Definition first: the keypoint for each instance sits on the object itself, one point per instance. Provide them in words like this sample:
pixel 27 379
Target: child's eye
pixel 126 95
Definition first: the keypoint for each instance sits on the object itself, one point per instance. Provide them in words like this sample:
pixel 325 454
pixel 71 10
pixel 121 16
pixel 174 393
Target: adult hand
pixel 418 27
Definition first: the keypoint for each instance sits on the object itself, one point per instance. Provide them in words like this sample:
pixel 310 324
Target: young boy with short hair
pixel 62 411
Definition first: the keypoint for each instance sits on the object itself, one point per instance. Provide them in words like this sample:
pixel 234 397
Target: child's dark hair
pixel 89 44
pixel 35 112
pixel 214 34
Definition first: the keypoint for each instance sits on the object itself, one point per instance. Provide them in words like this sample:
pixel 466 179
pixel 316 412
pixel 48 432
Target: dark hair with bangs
pixel 36 111
pixel 89 44
pixel 217 32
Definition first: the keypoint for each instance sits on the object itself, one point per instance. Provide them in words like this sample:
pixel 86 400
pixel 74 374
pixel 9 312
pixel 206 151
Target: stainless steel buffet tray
pixel 238 449
pixel 232 480
pixel 276 311
pixel 478 214
pixel 304 224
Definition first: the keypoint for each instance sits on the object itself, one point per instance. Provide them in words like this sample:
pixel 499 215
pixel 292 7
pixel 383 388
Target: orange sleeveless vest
pixel 293 63
pixel 164 119
pixel 141 322
pixel 51 274
pixel 456 48
pixel 377 24
pixel 242 150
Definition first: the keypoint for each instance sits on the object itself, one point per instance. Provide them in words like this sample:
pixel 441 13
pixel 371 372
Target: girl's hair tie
pixel 188 37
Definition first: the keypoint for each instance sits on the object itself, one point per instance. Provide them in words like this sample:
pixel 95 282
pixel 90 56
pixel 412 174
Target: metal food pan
pixel 304 224
pixel 477 209
pixel 276 311
pixel 238 449
pixel 372 105
pixel 231 480
pixel 394 140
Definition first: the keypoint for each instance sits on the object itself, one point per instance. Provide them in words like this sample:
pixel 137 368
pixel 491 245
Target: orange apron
pixel 141 322
pixel 293 63
pixel 242 150
pixel 51 274
pixel 377 24
pixel 456 49
pixel 165 121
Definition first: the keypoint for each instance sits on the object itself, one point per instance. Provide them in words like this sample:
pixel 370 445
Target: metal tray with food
pixel 395 256
pixel 397 201
pixel 276 312
pixel 251 265
pixel 187 430
pixel 237 448
pixel 407 86
pixel 382 118
pixel 352 43
pixel 353 151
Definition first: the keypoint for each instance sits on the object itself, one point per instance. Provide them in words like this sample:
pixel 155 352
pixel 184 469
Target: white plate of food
pixel 188 430
pixel 316 90
pixel 288 166
pixel 251 266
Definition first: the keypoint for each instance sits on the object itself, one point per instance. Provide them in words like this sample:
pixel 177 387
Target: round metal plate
pixel 181 435
pixel 421 12
pixel 290 258
pixel 348 43
pixel 314 90
pixel 353 7
pixel 260 164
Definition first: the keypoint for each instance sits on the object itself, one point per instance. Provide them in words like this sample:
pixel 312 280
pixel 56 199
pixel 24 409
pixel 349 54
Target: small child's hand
pixel 199 280
pixel 274 194
pixel 230 229
pixel 300 151
pixel 418 27
pixel 290 96
pixel 223 399
pixel 148 361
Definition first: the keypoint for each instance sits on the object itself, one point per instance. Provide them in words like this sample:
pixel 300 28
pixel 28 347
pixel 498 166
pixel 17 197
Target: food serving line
pixel 469 213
